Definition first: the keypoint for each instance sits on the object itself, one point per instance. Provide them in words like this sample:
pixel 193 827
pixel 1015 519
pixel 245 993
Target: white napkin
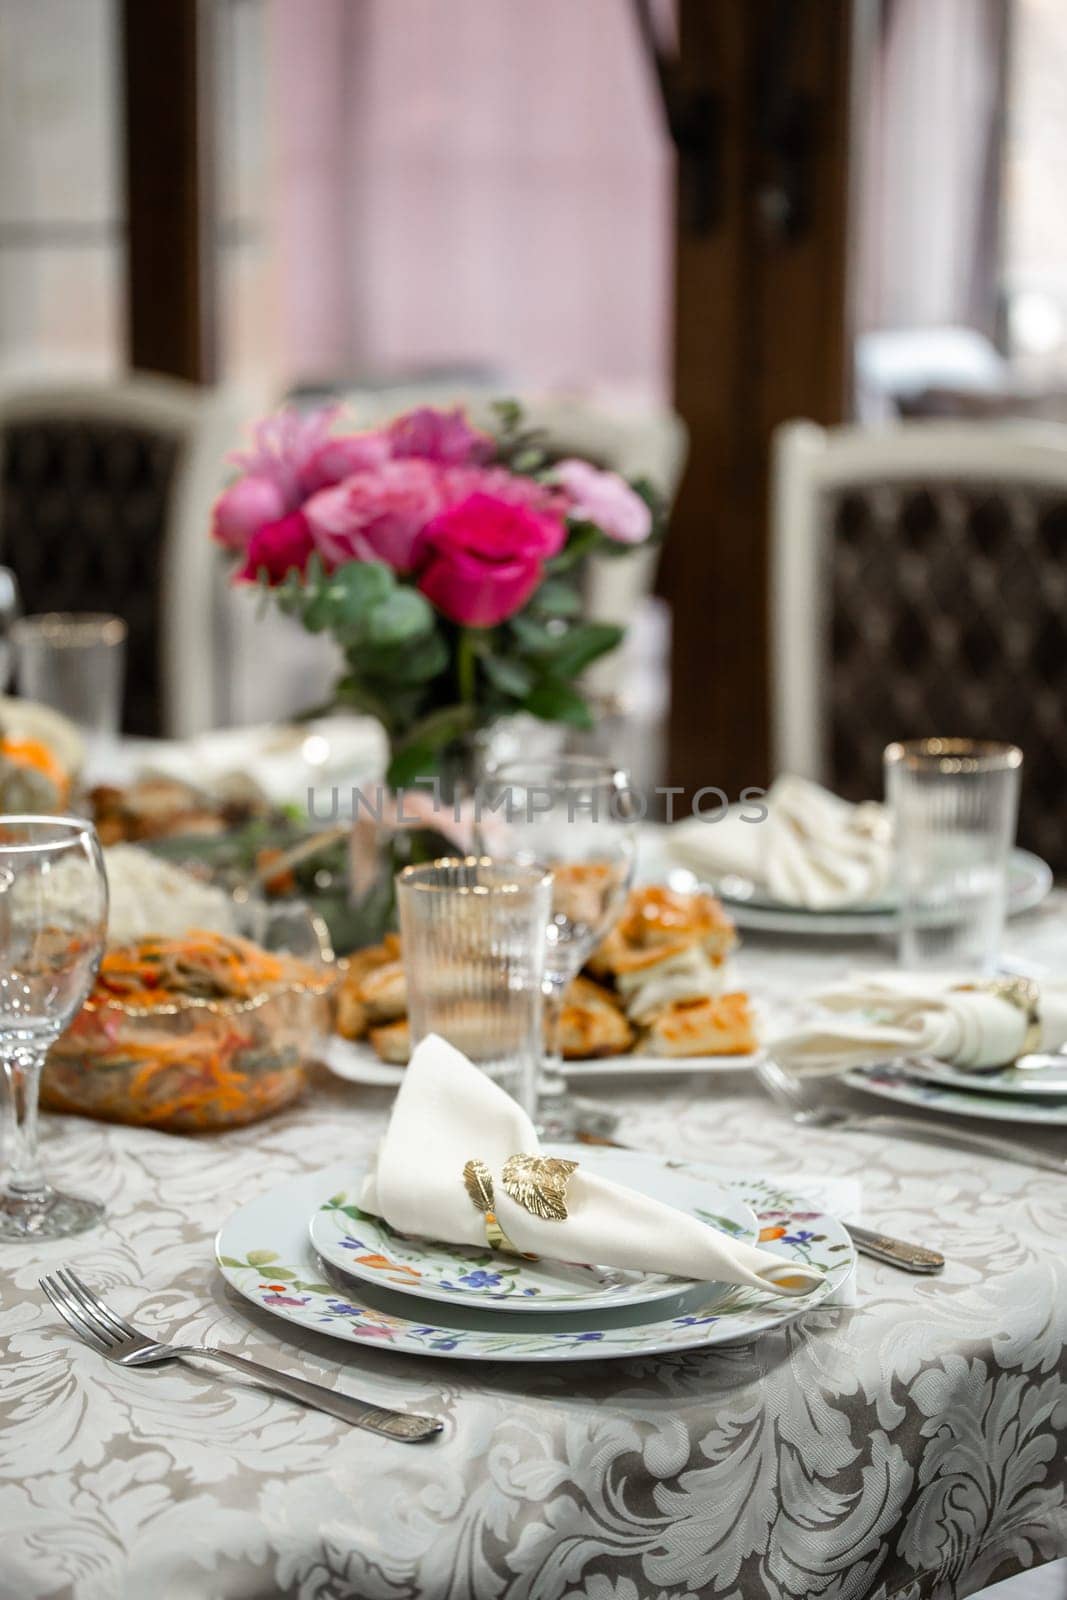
pixel 812 849
pixel 902 1014
pixel 284 761
pixel 448 1112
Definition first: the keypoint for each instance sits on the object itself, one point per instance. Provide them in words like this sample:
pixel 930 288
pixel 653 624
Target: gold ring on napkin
pixel 478 1182
pixel 1024 995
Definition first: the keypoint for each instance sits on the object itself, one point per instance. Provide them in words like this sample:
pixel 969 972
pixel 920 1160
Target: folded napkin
pixel 282 761
pixel 449 1114
pixel 812 849
pixel 901 1014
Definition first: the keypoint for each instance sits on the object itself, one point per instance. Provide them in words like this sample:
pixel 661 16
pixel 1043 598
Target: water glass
pixel 75 664
pixel 473 936
pixel 53 924
pixel 954 805
pixel 9 610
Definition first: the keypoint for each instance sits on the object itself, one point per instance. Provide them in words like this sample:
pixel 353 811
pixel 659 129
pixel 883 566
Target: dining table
pixel 910 1444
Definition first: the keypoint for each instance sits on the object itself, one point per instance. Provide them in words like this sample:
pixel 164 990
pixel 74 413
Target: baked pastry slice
pixel 723 1026
pixel 392 1042
pixel 354 1015
pixel 651 986
pixel 591 1023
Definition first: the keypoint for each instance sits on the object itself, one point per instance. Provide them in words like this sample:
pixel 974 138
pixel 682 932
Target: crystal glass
pixel 578 816
pixel 9 610
pixel 75 664
pixel 954 804
pixel 473 936
pixel 53 924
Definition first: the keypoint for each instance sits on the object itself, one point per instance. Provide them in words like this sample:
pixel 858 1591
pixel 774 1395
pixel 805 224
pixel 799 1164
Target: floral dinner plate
pixel 365 1247
pixel 265 1254
pixel 897 1082
pixel 1036 1083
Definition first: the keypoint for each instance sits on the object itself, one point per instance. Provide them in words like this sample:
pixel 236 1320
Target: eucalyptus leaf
pixel 557 598
pixel 510 676
pixel 553 701
pixel 401 616
pixel 583 645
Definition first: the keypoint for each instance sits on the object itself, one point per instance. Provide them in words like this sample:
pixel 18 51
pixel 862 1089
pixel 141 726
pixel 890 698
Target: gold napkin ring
pixel 537 1183
pixel 1024 995
pixel 478 1182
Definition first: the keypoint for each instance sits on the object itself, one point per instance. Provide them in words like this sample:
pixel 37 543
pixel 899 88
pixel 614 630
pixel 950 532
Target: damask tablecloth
pixel 914 1445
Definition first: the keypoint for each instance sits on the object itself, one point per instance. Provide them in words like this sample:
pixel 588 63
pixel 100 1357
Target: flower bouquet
pixel 444 560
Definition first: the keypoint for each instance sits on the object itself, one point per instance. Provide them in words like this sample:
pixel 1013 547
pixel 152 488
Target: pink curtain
pixel 471 183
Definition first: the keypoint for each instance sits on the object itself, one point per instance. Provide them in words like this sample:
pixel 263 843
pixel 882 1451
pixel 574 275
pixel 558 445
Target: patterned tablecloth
pixel 915 1445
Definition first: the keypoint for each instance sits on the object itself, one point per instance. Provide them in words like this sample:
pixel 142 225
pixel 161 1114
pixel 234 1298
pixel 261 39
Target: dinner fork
pixel 119 1341
pixel 792 1098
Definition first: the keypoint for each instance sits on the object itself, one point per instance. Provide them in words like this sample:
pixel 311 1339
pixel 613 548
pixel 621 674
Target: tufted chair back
pixel 105 493
pixel 920 588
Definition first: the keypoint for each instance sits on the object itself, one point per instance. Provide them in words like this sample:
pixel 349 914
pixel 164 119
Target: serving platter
pixel 356 1061
pixel 364 1247
pixel 265 1254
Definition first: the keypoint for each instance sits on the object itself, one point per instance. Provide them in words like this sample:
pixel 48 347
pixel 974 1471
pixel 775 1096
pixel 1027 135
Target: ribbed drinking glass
pixel 473 936
pixel 954 805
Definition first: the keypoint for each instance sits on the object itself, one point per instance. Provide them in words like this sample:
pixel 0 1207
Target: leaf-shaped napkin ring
pixel 538 1184
pixel 478 1182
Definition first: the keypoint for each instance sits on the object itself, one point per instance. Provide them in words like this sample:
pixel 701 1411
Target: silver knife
pixel 897 1252
pixel 880 1246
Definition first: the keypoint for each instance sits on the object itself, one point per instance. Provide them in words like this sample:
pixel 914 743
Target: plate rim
pixel 984 1109
pixel 668 1288
pixel 1030 1087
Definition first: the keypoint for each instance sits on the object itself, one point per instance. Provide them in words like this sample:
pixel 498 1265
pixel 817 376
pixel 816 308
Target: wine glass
pixel 577 816
pixel 53 925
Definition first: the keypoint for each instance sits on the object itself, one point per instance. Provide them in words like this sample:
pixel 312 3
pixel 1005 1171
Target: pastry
pixel 392 1041
pixel 354 1014
pixel 591 1023
pixel 685 974
pixel 712 1027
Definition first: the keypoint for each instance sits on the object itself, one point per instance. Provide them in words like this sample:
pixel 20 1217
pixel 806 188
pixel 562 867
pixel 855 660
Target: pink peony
pixel 484 558
pixel 340 458
pixel 285 444
pixel 243 508
pixel 459 483
pixel 376 516
pixel 606 499
pixel 443 436
pixel 279 547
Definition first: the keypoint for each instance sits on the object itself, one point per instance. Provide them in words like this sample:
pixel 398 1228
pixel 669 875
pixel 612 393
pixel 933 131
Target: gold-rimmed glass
pixel 954 805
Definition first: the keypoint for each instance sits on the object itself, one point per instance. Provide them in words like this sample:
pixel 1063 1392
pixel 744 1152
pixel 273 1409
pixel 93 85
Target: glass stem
pixel 25 1177
pixel 552 1079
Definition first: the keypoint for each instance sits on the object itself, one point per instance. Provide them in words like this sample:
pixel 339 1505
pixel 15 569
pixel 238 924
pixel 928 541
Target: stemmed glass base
pixel 47 1215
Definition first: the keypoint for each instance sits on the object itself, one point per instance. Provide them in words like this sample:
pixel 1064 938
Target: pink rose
pixel 340 458
pixel 458 483
pixel 485 557
pixel 243 508
pixel 279 547
pixel 443 436
pixel 376 516
pixel 605 499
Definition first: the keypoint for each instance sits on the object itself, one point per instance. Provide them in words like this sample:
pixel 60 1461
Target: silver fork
pixel 112 1336
pixel 792 1098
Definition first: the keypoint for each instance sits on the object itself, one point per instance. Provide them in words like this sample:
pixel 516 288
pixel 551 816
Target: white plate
pixel 1039 1083
pixel 366 1248
pixel 1030 880
pixel 265 1254
pixel 896 1083
pixel 355 1061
